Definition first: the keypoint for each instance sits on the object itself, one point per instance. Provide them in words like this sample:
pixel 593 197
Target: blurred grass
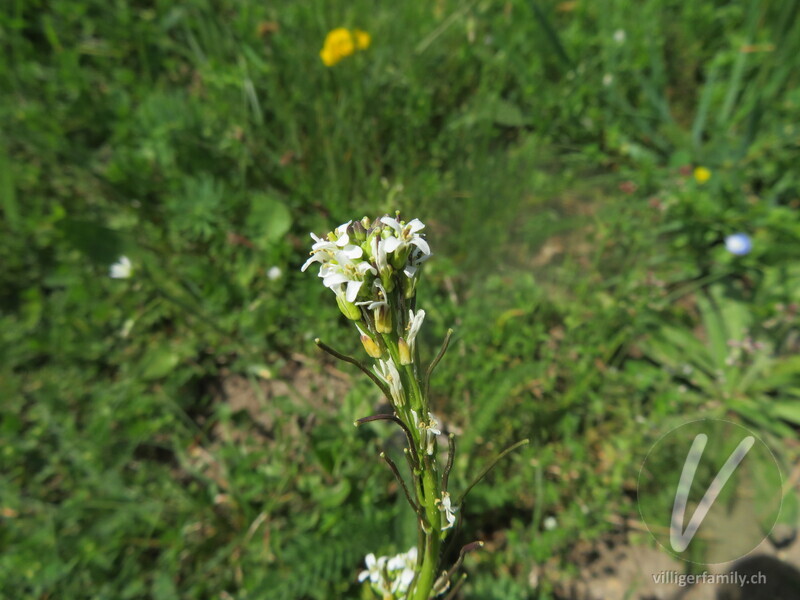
pixel 544 149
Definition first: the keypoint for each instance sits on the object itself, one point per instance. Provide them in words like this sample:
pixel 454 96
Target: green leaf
pixel 269 219
pixel 508 114
pixel 789 410
pixel 159 363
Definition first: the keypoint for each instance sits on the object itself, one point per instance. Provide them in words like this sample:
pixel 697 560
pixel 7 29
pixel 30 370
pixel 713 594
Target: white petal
pixel 341 231
pixel 316 257
pixel 422 245
pixel 352 290
pixel 391 244
pixel 392 223
pixel 415 225
pixel 364 267
pixel 352 251
pixel 334 279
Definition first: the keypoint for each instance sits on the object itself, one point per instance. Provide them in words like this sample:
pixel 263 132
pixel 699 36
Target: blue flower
pixel 738 244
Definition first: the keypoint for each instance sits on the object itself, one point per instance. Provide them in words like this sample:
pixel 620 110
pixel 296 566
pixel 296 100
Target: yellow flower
pixel 341 43
pixel 701 175
pixel 362 39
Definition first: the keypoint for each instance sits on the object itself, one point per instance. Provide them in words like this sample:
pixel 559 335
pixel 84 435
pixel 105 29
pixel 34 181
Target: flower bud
pixel 405 352
pixel 357 231
pixel 409 285
pixel 383 319
pixel 349 310
pixel 400 258
pixel 370 346
pixel 387 278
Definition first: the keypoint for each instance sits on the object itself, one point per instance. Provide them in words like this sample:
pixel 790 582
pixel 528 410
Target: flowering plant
pixel 373 268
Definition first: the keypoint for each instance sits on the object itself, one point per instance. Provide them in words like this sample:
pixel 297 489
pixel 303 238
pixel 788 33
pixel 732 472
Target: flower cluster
pixel 390 574
pixel 373 268
pixel 341 43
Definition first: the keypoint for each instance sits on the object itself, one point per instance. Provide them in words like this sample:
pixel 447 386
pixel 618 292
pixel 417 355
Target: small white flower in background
pixel 608 79
pixel 121 269
pixel 550 523
pixel 375 567
pixel 404 565
pixel 738 244
pixel 400 569
pixel 429 431
pixel 619 36
pixel 274 273
pixel 449 511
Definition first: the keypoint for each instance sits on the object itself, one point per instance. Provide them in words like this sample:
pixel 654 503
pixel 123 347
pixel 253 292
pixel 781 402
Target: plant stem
pixel 430 552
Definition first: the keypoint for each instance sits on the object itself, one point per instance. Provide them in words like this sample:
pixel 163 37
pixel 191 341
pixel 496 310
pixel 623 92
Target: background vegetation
pixel 177 435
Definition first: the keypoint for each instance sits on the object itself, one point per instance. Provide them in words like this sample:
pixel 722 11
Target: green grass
pixel 205 140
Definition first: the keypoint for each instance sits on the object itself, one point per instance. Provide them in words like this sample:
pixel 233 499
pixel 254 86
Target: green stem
pixel 430 552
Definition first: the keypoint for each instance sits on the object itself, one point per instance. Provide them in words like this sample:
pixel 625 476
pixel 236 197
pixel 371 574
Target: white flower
pixel 403 567
pixel 379 255
pixel 324 251
pixel 448 510
pixel 342 269
pixel 377 305
pixel 386 370
pixel 274 273
pixel 405 235
pixel 403 560
pixel 608 79
pixel 550 523
pixel 429 431
pixel 400 570
pixel 380 308
pixel 375 568
pixel 340 233
pixel 415 259
pixel 413 327
pixel 327 249
pixel 121 269
pixel 619 36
